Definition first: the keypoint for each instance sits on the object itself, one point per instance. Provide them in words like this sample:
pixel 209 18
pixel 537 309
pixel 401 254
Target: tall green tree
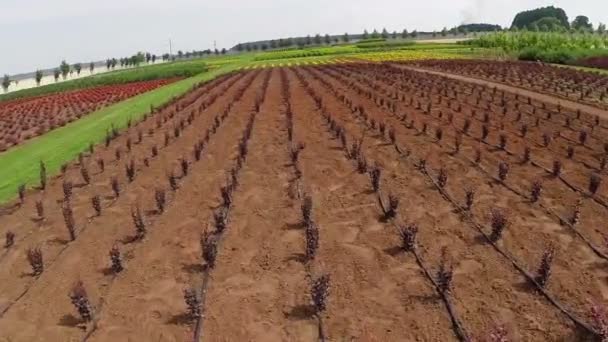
pixel 91 67
pixel 581 23
pixel 6 82
pixel 308 40
pixel 375 34
pixel 601 28
pixel 327 39
pixel 405 34
pixel 317 39
pixel 108 63
pixel 414 34
pixel 444 32
pixel 56 73
pixel 384 33
pixel 345 38
pixel 394 35
pixel 365 34
pixel 526 18
pixel 38 77
pixel 148 57
pixel 65 69
pixel 78 68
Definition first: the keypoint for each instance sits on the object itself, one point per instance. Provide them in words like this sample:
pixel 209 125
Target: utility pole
pixel 214 46
pixel 170 49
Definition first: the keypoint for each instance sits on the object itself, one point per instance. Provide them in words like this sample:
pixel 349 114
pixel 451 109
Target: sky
pixel 39 34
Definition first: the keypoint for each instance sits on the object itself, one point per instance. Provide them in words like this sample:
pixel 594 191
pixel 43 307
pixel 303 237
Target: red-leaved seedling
pixel 80 300
pixel 499 222
pixel 600 318
pixel 220 219
pixel 130 170
pixel 115 186
pixel 536 191
pixel 101 165
pixel 393 204
pixel 84 172
pixel 442 178
pixel 116 260
pixel 503 171
pixel 582 137
pixel 477 156
pixel 9 240
pixel 569 152
pixel 161 200
pixel 208 244
pixel 34 257
pixel 312 240
pixel 469 198
pixel 184 166
pixel 408 237
pixel 193 303
pixel 172 181
pixel 67 190
pixel 68 218
pixel 306 208
pixel 484 132
pixel 557 168
pixel 502 141
pixel 527 153
pixel 138 222
pixel 544 270
pixel 96 204
pixel 40 209
pixel 444 273
pixel 594 183
pixel 320 292
pixel 576 213
pixel 374 175
pixel 42 175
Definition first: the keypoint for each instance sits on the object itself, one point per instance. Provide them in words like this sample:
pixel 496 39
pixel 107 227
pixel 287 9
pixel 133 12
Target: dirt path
pixel 258 279
pixel 86 258
pixel 516 90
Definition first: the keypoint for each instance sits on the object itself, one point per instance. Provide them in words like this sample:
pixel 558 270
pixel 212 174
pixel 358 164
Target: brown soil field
pixel 354 202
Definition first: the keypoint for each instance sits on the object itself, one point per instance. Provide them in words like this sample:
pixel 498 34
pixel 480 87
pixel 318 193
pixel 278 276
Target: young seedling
pixel 544 270
pixel 502 141
pixel 84 172
pixel 469 198
pixel 117 154
pixel 477 156
pixel 68 218
pixel 557 168
pixel 361 164
pixel 34 257
pixel 96 204
pixel 546 139
pixel 523 130
pixel 466 126
pixel 594 183
pixel 444 273
pixel 226 192
pixel 306 208
pixel 161 200
pixel 173 181
pixel 193 303
pixel 101 165
pixel 220 220
pixel 484 132
pixel 184 166
pixel 570 152
pixel 393 204
pixel 80 300
pixel 499 222
pixel 208 248
pixel 439 134
pixel 576 213
pixel 408 237
pixel 9 240
pixel 129 144
pixel 582 137
pixel 503 171
pixel 320 292
pixel 40 209
pixel 115 260
pixel 154 151
pixel 312 240
pixel 138 222
pixel 115 186
pixel 130 170
pixel 600 318
pixel 457 143
pixel 536 191
pixel 374 175
pixel 442 178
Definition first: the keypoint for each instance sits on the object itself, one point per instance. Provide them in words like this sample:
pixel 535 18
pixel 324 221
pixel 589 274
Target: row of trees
pixel 345 38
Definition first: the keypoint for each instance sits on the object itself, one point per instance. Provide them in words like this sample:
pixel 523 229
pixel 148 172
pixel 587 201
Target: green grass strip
pixel 20 165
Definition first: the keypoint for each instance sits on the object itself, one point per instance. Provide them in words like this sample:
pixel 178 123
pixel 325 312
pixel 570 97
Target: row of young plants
pixel 568 83
pixel 319 284
pixel 210 241
pixel 441 281
pixel 498 223
pixel 35 256
pixel 536 186
pixel 142 223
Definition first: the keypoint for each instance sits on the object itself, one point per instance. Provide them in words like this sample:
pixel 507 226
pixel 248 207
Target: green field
pixel 20 165
pixel 143 73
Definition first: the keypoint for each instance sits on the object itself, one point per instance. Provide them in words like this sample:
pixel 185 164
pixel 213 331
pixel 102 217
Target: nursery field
pixel 322 202
pixel 22 119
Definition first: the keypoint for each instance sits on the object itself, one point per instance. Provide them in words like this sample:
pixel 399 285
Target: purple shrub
pixel 80 300
pixel 34 257
pixel 319 293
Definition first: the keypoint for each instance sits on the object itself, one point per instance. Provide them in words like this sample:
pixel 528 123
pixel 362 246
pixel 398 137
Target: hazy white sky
pixel 40 33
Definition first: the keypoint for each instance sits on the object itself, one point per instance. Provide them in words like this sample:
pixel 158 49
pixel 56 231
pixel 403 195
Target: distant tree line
pixel 553 19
